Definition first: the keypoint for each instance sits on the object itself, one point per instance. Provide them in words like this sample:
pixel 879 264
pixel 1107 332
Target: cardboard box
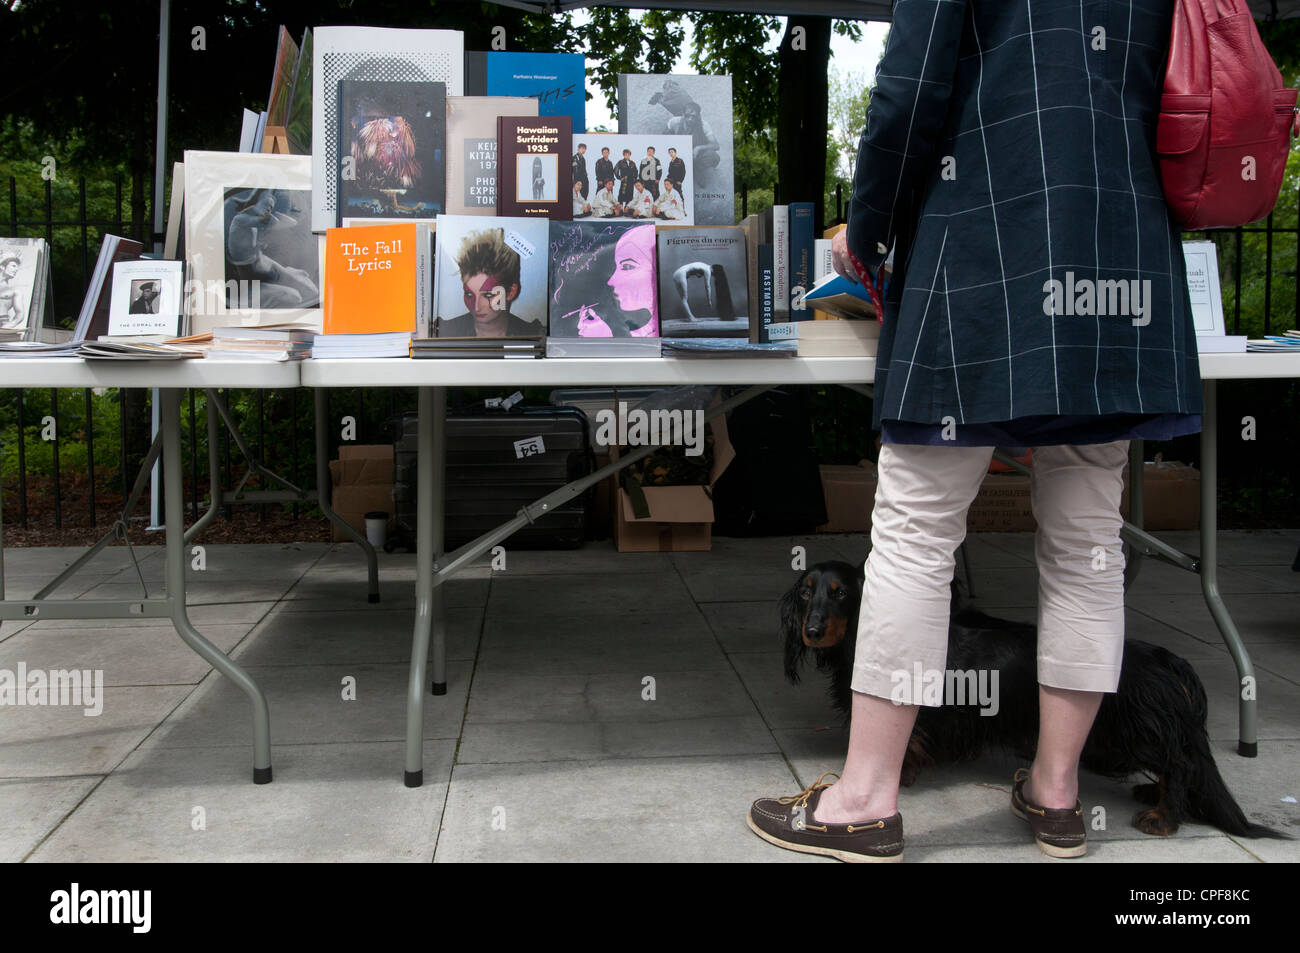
pixel 1002 506
pixel 1171 501
pixel 681 517
pixel 1171 496
pixel 362 480
pixel 850 493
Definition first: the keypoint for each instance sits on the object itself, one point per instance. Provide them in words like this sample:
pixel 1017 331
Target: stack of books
pixel 261 344
pixel 384 344
pixel 1287 343
pixel 476 347
pixel 849 338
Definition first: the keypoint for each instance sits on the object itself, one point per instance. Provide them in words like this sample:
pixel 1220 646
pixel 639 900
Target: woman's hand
pixel 840 256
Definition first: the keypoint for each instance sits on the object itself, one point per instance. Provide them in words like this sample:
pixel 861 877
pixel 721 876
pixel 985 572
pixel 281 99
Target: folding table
pixel 171 377
pixel 433 567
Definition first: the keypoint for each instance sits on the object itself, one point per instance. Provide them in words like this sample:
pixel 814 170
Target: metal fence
pixel 278 424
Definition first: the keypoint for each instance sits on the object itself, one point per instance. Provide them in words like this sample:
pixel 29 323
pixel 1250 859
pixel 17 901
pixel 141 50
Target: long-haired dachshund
pixel 1154 724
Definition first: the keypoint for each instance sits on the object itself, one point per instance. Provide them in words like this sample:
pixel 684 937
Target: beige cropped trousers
pixel 919 520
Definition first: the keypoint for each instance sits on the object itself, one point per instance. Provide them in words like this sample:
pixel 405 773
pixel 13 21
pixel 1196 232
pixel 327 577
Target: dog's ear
pixel 791 636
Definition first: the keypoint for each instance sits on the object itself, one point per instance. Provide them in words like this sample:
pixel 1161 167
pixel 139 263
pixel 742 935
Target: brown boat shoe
pixel 788 822
pixel 1058 831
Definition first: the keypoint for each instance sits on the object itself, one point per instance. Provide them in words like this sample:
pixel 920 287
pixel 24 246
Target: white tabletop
pixel 586 371
pixel 547 372
pixel 571 371
pixel 190 372
pixel 1240 366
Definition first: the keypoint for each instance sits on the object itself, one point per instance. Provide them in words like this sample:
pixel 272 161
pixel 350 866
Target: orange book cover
pixel 371 279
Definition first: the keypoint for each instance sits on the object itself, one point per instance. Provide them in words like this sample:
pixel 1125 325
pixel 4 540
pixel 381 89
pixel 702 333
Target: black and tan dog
pixel 1154 724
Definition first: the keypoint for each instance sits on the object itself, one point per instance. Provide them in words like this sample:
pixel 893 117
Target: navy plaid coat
pixel 1009 159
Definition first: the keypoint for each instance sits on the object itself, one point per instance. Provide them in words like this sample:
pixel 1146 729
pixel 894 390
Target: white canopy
pixel 844 9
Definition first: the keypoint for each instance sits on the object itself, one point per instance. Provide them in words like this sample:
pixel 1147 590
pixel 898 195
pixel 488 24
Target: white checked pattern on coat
pixel 1045 110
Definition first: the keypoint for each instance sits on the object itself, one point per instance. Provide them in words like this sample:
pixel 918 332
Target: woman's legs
pixel 918 521
pixel 1076 498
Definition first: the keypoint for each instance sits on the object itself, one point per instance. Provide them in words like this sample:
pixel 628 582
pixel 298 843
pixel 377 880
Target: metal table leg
pixel 1136 515
pixel 175 556
pixel 433 568
pixel 1247 743
pixel 323 492
pixel 214 471
pixel 432 408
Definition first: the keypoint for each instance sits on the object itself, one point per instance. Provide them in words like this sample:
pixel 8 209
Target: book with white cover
pixel 248 240
pixel 146 298
pixel 368 53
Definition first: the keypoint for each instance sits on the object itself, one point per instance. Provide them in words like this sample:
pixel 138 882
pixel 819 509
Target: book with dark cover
pixel 534 170
pixel 558 81
pixel 766 290
pixel 472 150
pixel 801 257
pixel 392 144
pixel 93 319
pixel 695 106
pixel 603 280
pixel 703 282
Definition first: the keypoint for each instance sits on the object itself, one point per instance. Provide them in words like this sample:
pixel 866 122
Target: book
pixel 776 226
pixel 93 319
pixel 727 347
pixel 629 175
pixel 838 296
pixel 479 348
pixel 376 54
pixel 1221 343
pixel 752 225
pixel 533 167
pixel 829 338
pixel 703 282
pixel 472 150
pixel 253 258
pixel 261 344
pixel 378 278
pixel 297 124
pixel 696 106
pixel 392 144
pixel 801 257
pixel 766 290
pixel 490 279
pixel 602 281
pixel 173 242
pixel 603 347
pixel 286 68
pixel 146 298
pixel 824 264
pixel 556 81
pixel 24 277
pixel 375 344
pixel 135 351
pixel 248 132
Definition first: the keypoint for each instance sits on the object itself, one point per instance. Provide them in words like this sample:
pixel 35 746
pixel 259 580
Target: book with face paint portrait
pixel 603 281
pixel 491 277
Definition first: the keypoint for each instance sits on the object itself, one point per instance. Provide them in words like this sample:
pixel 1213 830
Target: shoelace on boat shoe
pixel 800 802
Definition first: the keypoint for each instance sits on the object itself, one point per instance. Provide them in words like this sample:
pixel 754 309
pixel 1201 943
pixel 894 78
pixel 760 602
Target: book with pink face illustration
pixel 602 280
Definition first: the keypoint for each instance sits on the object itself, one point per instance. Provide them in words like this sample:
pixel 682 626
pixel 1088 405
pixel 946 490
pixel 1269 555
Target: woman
pixel 633 284
pixel 489 277
pixel 1007 157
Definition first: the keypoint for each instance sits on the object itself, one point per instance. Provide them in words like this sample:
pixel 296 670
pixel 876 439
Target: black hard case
pixel 487 483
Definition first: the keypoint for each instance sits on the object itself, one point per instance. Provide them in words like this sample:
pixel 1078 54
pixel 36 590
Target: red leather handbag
pixel 1226 120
